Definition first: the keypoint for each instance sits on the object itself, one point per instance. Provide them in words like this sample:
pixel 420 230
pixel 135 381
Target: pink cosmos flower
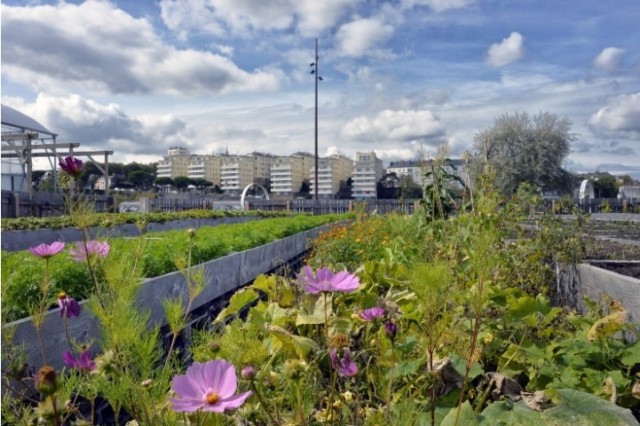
pixel 345 366
pixel 72 166
pixel 371 314
pixel 325 280
pixel 46 251
pixel 93 247
pixel 82 362
pixel 209 387
pixel 69 307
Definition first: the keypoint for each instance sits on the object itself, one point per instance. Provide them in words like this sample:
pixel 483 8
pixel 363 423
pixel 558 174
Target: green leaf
pixel 298 345
pixel 584 409
pixel 631 355
pixel 266 284
pixel 314 312
pixel 239 300
pixel 506 413
pixel 467 416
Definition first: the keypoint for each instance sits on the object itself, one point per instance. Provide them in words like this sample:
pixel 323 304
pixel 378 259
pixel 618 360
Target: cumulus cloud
pixel 437 5
pixel 241 18
pixel 362 37
pixel 609 59
pixel 104 127
pixel 99 46
pixel 509 50
pixel 395 126
pixel 622 115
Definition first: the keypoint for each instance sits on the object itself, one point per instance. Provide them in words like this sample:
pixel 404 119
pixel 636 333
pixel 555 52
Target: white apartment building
pixel 288 173
pixel 417 169
pixel 331 170
pixel 174 164
pixel 414 169
pixel 367 171
pixel 206 167
pixel 236 172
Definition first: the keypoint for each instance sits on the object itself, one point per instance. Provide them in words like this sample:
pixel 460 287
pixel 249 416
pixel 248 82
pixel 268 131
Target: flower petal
pixel 186 405
pixel 234 401
pixel 228 383
pixel 186 388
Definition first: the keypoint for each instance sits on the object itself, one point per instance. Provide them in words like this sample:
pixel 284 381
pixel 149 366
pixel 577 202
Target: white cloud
pixel 507 51
pixel 609 59
pixel 621 115
pixel 395 126
pixel 104 127
pixel 242 17
pixel 438 5
pixel 363 36
pixel 101 47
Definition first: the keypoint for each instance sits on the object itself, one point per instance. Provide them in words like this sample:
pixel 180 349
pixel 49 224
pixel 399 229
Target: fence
pixel 179 202
pixel 598 205
pixel 45 204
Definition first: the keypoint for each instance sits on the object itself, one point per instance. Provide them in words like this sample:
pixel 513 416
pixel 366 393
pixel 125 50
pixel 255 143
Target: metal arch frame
pixel 246 189
pixel 586 190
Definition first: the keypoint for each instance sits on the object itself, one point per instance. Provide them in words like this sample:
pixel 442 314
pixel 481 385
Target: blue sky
pixel 400 77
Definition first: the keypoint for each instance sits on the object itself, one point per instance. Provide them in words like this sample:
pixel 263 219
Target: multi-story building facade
pixel 331 171
pixel 174 164
pixel 236 172
pixel 413 168
pixel 416 170
pixel 367 171
pixel 288 173
pixel 206 167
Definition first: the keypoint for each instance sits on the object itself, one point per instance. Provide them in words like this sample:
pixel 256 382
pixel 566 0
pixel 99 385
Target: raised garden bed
pixel 223 275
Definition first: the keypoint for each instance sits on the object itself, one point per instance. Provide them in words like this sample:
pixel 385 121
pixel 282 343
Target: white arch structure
pixel 586 190
pixel 247 188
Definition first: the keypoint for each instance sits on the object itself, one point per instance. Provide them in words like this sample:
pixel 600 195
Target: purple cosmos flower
pixel 72 166
pixel 371 314
pixel 46 251
pixel 69 307
pixel 93 247
pixel 83 362
pixel 209 387
pixel 345 366
pixel 325 280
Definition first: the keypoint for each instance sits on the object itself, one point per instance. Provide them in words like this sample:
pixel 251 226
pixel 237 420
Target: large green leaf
pixel 583 409
pixel 506 413
pixel 239 300
pixel 467 416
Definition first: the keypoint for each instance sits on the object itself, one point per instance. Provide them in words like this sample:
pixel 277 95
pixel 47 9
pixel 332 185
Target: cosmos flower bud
pixel 248 373
pixel 391 330
pixel 191 232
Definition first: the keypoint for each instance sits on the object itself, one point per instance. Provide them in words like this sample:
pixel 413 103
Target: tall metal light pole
pixel 317 77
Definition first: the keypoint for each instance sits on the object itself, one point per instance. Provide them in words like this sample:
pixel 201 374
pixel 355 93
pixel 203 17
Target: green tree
pixel 140 179
pixel 182 182
pixel 605 186
pixel 523 149
pixel 163 181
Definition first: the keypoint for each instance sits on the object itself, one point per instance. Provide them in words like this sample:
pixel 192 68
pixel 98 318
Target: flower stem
pixel 263 403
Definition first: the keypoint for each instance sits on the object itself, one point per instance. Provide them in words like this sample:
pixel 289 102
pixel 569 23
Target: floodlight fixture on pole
pixel 317 77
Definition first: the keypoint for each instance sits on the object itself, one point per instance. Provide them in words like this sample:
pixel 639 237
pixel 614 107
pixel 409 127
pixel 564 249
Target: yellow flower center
pixel 62 295
pixel 212 398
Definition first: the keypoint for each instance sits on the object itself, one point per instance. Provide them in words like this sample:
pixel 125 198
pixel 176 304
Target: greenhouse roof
pixel 14 118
